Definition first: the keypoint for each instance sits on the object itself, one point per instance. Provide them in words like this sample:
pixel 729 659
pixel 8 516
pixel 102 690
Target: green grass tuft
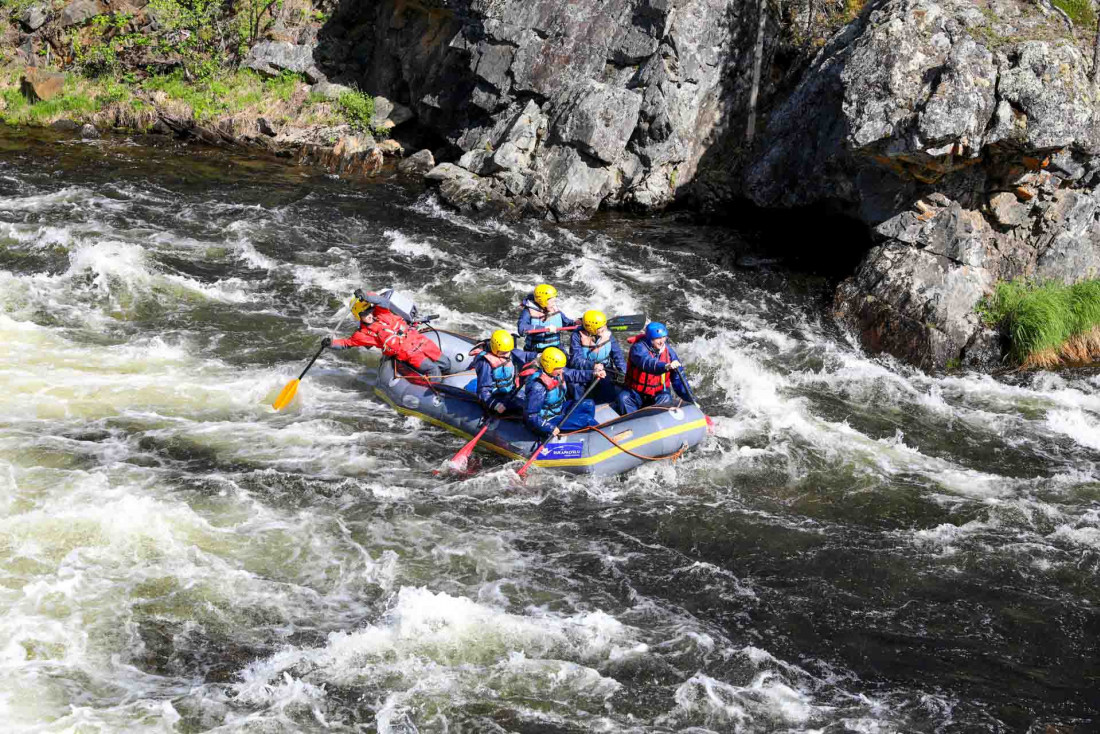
pixel 1080 12
pixel 1042 317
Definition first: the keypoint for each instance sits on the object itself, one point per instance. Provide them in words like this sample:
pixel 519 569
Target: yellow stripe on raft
pixel 551 463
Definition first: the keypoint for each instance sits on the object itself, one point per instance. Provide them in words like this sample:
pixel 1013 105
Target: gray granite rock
pixel 35 16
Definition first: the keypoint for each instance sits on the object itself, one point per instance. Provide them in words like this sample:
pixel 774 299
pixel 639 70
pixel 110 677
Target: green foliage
pixel 15 7
pixel 112 93
pixel 249 21
pixel 1042 316
pixel 357 108
pixel 111 44
pixel 282 87
pixel 197 30
pixel 1080 12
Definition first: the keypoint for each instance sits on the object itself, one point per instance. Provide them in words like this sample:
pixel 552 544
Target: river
pixel 860 547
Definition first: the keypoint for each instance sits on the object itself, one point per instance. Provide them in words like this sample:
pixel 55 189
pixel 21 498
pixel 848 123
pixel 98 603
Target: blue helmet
pixel 655 330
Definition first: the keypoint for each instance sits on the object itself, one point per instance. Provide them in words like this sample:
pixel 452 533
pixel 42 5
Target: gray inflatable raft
pixel 616 445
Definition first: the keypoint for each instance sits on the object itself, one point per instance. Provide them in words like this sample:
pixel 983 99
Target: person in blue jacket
pixel 539 312
pixel 652 372
pixel 594 344
pixel 547 388
pixel 498 369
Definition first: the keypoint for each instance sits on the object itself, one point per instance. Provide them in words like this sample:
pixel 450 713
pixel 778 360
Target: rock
pixel 599 119
pixel 66 126
pixel 38 85
pixel 400 115
pixel 270 58
pixel 35 16
pixel 417 164
pixel 382 109
pixel 314 75
pixel 1007 209
pixel 89 132
pixel 329 90
pixel 445 171
pixel 265 127
pixel 353 154
pixel 391 147
pixel 78 12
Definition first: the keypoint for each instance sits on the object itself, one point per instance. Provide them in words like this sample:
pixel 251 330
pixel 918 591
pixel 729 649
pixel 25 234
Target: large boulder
pixel 35 16
pixel 78 12
pixel 39 85
pixel 270 58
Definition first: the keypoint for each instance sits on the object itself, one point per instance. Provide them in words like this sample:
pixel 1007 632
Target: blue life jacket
pixel 555 394
pixel 539 320
pixel 504 373
pixel 596 348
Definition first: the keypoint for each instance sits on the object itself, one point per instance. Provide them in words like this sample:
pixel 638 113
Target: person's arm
pixel 577 360
pixel 360 338
pixel 536 397
pixel 524 324
pixel 566 321
pixel 618 361
pixel 678 383
pixel 579 377
pixel 484 372
pixel 641 357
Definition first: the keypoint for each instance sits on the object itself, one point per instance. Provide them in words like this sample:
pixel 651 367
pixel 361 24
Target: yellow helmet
pixel 501 342
pixel 543 294
pixel 594 321
pixel 358 306
pixel 552 359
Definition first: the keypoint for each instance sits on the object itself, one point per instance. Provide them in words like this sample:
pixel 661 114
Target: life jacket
pixel 645 382
pixel 401 341
pixel 504 372
pixel 540 320
pixel 555 390
pixel 596 348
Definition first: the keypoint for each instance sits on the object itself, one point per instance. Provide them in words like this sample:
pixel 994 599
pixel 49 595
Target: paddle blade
pixel 626 323
pixel 459 461
pixel 286 395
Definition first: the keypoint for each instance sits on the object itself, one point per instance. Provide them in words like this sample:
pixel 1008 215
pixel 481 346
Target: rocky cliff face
pixel 970 152
pixel 965 135
pixel 554 107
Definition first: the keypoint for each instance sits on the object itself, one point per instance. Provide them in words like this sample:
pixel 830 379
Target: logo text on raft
pixel 562 451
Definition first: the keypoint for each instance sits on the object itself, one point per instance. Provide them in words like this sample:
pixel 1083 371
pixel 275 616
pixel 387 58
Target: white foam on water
pixel 403 245
pixel 429 651
pixel 1082 427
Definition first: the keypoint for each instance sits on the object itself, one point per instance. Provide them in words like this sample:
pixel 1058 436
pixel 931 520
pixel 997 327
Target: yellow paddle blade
pixel 286 395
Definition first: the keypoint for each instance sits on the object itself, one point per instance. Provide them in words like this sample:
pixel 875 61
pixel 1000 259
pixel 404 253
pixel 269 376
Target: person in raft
pixel 547 387
pixel 381 328
pixel 498 369
pixel 652 371
pixel 539 312
pixel 593 344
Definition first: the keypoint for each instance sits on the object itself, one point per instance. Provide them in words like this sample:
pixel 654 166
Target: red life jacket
pixel 645 382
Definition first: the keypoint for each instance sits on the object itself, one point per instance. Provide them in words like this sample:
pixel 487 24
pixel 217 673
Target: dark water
pixel 860 548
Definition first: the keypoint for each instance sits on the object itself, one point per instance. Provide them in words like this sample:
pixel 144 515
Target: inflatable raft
pixel 617 444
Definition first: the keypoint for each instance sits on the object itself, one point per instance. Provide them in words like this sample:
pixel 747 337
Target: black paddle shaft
pixel 315 356
pixel 683 379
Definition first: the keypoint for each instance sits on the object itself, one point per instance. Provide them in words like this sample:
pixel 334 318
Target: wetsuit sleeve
pixel 677 383
pixel 577 359
pixel 578 377
pixel 484 372
pixel 358 339
pixel 524 324
pixel 643 359
pixel 618 361
pixel 536 397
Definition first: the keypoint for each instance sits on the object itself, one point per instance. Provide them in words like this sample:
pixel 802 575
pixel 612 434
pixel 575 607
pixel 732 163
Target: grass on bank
pixel 1049 324
pixel 238 97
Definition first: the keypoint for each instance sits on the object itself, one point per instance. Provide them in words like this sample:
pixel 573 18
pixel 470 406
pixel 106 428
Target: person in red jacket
pixel 382 329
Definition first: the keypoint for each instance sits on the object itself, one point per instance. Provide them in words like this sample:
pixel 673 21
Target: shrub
pixel 357 108
pixel 282 87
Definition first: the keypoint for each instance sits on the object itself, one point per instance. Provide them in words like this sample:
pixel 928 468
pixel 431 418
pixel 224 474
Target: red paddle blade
pixel 459 461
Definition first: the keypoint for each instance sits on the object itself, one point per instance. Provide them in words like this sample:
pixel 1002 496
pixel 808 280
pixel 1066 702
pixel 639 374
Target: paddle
pixel 684 380
pixel 591 387
pixel 617 323
pixel 292 387
pixel 458 461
